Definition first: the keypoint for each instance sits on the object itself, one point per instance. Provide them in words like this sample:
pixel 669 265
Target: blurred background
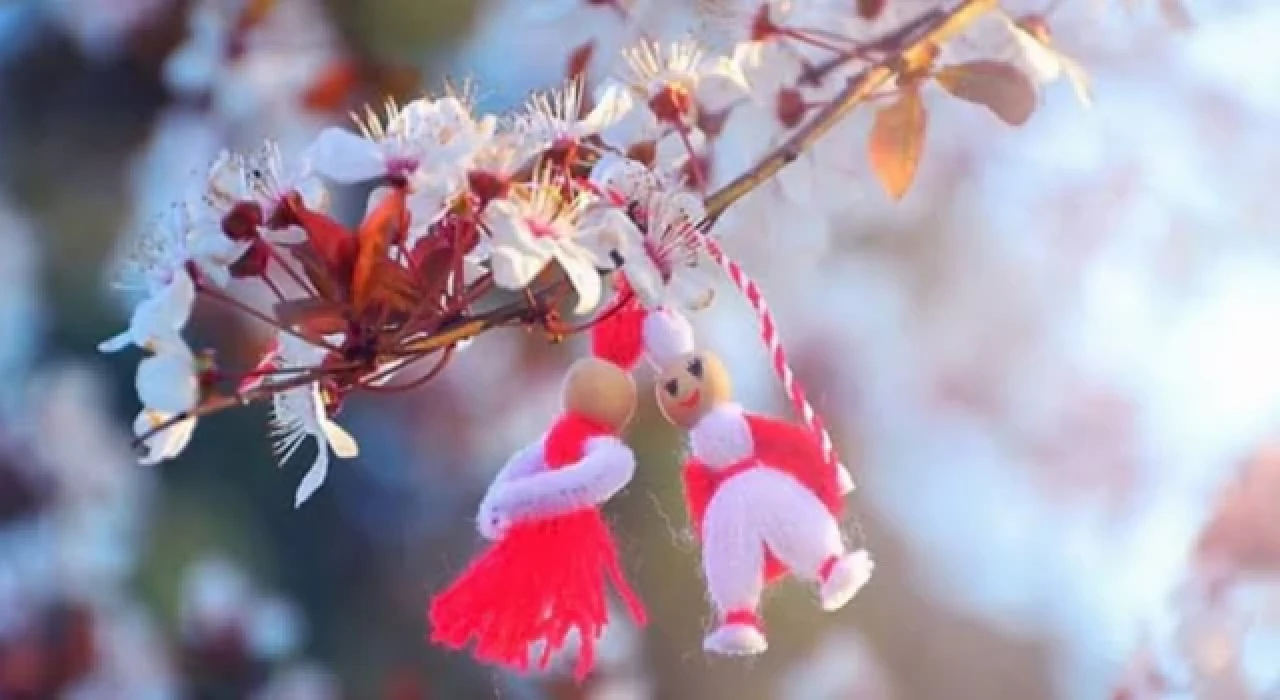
pixel 1048 364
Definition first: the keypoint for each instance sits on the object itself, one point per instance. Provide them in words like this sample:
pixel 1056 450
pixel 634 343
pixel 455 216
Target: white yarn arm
pixel 606 468
pixel 527 462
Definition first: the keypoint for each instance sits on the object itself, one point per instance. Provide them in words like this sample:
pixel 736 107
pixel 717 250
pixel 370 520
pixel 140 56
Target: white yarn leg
pixel 733 562
pixel 806 537
pixel 798 528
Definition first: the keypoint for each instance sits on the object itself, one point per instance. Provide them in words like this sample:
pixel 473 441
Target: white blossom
pixel 265 179
pixel 624 180
pixel 536 228
pixel 555 116
pixel 165 444
pixel 157 319
pixel 654 68
pixel 440 132
pixel 168 386
pixel 167 380
pixel 660 256
pixel 299 414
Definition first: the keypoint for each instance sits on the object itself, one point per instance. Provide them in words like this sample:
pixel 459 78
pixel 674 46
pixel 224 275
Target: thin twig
pixel 856 92
pixel 217 404
pixel 294 275
pixel 211 293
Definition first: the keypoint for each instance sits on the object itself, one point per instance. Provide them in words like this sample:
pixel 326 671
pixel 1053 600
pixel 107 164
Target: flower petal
pixel 340 440
pixel 506 226
pixel 313 479
pixel 629 178
pixel 115 343
pixel 346 157
pixel 165 313
pixel 167 383
pixel 614 104
pixel 633 127
pixel 645 280
pixel 515 269
pixel 166 444
pixel 691 288
pixel 608 230
pixel 193 67
pixel 585 279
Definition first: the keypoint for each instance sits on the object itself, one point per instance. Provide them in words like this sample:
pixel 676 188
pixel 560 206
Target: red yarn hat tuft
pixel 631 331
pixel 619 338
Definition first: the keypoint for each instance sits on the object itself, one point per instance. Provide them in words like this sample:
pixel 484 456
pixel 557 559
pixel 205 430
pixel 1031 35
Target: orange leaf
pixel 897 142
pixel 396 287
pixel 1000 87
pixel 387 223
pixel 314 318
pixel 332 90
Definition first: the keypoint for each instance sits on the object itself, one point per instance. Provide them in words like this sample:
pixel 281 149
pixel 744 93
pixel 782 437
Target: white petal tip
pixel 343 444
pixel 313 480
pixel 113 345
pixel 303 495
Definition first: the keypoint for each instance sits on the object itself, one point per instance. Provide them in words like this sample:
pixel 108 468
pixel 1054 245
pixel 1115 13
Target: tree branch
pixel 859 89
pixel 856 92
pixel 946 26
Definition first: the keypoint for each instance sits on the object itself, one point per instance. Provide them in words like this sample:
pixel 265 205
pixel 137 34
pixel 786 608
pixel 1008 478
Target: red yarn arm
pixel 699 486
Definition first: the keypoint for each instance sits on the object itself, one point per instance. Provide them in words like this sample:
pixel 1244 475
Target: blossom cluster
pixel 465 209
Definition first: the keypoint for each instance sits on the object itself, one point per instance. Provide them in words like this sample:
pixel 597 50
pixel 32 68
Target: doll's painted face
pixel 690 386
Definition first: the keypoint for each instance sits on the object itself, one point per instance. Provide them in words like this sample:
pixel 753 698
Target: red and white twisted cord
pixel 778 356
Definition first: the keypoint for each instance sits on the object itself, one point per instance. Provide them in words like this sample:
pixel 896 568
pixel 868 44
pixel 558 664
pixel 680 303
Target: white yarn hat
pixel 667 336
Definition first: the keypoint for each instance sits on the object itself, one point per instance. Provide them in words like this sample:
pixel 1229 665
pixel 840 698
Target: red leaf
pixel 314 318
pixel 580 59
pixel 871 9
pixel 330 251
pixel 328 238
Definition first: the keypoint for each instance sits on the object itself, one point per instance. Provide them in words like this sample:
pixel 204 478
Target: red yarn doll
pixel 763 499
pixel 545 573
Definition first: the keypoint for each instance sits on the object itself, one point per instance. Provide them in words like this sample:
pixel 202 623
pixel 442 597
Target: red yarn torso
pixel 566 441
pixel 778 445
